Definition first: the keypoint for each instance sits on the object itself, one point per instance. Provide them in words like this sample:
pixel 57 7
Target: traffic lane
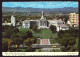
pixel 46 46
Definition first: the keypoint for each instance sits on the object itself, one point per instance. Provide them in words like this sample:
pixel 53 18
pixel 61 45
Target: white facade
pixel 62 27
pixel 55 22
pixel 68 22
pixel 59 24
pixel 13 21
pixel 52 22
pixel 43 23
pixel 26 24
pixel 6 24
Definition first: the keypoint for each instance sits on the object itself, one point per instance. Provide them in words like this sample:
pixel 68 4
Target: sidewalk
pixel 44 42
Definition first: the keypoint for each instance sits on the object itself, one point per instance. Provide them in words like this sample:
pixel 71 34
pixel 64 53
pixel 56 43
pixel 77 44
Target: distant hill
pixel 29 9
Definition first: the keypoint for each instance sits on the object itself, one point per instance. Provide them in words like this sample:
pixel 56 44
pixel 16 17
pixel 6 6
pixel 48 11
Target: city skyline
pixel 48 4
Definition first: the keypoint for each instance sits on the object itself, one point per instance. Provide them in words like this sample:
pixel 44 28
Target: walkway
pixel 46 46
pixel 44 41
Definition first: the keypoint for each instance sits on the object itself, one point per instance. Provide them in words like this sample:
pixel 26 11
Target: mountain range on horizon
pixel 30 9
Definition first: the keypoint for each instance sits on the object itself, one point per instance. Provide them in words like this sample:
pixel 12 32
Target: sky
pixel 48 4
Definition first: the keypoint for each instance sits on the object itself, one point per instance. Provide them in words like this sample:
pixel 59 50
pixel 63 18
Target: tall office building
pixel 74 18
pixel 13 21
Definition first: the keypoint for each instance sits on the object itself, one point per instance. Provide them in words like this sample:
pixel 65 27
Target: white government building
pixel 43 23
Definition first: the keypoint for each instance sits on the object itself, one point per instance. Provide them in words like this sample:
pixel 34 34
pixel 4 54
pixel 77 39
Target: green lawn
pixel 22 50
pixel 36 50
pixel 41 31
pixel 46 36
pixel 44 31
pixel 24 30
pixel 53 41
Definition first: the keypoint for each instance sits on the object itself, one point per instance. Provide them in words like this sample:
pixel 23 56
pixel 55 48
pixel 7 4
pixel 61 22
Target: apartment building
pixel 74 18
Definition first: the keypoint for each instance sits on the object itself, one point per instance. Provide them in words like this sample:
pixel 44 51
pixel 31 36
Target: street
pixel 46 46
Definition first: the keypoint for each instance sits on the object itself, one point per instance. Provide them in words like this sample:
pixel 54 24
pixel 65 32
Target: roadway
pixel 45 43
pixel 46 46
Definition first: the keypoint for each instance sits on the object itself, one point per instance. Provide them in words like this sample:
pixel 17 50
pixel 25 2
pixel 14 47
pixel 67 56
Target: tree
pixel 4 28
pixel 25 33
pixel 9 43
pixel 14 35
pixel 64 16
pixel 29 49
pixel 76 46
pixel 53 28
pixel 22 35
pixel 68 41
pixel 28 41
pixel 34 28
pixel 4 35
pixel 17 41
pixel 9 31
pixel 60 34
pixel 68 38
pixel 16 30
pixel 29 34
pixel 4 44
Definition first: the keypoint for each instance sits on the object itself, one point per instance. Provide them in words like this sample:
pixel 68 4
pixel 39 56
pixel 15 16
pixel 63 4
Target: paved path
pixel 45 50
pixel 44 41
